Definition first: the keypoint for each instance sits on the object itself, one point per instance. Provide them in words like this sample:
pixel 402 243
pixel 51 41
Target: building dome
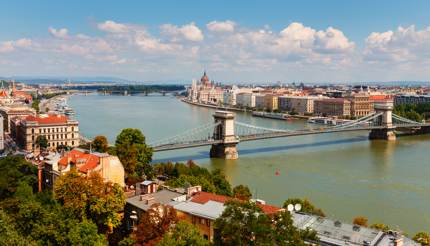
pixel 205 79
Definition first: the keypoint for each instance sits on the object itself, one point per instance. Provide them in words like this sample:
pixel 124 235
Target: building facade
pixel 13 112
pixel 361 105
pixel 302 105
pixel 245 99
pixel 205 92
pixel 271 102
pixel 411 99
pixel 57 129
pixel 332 107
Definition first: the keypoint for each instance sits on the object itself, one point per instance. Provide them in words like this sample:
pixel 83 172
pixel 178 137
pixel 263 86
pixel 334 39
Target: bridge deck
pixel 281 134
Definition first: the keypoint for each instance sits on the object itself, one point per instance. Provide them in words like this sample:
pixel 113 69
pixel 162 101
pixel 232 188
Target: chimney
pixel 192 190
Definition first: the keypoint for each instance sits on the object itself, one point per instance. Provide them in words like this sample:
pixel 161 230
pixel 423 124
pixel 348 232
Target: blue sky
pixel 248 41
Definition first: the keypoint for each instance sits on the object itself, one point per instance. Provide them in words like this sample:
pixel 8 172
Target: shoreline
pixel 300 117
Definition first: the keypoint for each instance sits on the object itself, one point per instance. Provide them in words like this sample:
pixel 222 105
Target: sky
pixel 234 41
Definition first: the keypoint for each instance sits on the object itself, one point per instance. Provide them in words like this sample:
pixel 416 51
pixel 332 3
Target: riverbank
pixel 214 106
pixel 255 113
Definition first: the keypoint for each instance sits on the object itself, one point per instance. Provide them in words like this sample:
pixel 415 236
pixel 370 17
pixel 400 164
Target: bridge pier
pixel 387 133
pixel 224 131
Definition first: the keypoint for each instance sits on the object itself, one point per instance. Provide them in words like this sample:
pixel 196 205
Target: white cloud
pixel 58 33
pixel 189 32
pixel 113 27
pixel 401 45
pixel 23 43
pixel 6 46
pixel 221 26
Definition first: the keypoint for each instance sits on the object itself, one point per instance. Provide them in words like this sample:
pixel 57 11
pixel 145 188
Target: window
pixel 73 142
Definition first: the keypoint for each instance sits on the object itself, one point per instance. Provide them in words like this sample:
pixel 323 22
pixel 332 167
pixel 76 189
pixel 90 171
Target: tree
pixel 244 223
pixel 380 226
pixel 423 238
pixel 9 234
pixel 135 155
pixel 360 220
pixel 15 170
pixel 91 198
pixel 156 221
pixel 307 206
pixel 222 185
pixel 242 192
pixel 85 234
pixel 100 144
pixel 183 234
pixel 42 142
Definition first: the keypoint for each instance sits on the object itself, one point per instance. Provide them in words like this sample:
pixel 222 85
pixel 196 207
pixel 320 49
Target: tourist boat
pixel 327 121
pixel 278 116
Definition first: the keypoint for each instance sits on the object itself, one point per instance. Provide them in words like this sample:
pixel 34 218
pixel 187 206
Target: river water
pixel 345 174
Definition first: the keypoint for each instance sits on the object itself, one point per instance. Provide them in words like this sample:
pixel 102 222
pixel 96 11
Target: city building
pixel 245 99
pixel 411 99
pixel 271 102
pixel 108 166
pixel 332 107
pixel 205 91
pixel 260 101
pixel 58 130
pixel 302 105
pixel 203 208
pixel 361 105
pixel 337 233
pixel 14 111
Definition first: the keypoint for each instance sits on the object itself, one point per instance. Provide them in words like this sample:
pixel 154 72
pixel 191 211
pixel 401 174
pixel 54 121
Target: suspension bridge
pixel 225 133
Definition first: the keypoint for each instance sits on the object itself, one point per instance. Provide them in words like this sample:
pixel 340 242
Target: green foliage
pixel 244 223
pixel 423 238
pixel 42 142
pixel 15 170
pixel 242 192
pixel 9 234
pixel 415 112
pixel 135 155
pixel 85 234
pixel 91 198
pixel 128 241
pixel 307 206
pixel 100 144
pixel 35 104
pixel 181 174
pixel 183 234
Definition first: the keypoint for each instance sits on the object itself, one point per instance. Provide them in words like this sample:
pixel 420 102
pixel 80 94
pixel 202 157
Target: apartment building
pixel 332 107
pixel 58 130
pixel 245 99
pixel 301 105
pixel 361 105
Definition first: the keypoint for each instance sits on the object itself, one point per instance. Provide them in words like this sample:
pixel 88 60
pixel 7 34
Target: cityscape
pixel 299 127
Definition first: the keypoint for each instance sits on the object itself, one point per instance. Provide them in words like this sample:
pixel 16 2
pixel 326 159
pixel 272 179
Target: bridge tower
pixel 224 132
pixel 386 133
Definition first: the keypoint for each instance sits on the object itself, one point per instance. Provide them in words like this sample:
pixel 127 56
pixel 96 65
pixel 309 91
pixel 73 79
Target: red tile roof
pixel 83 161
pixel 203 197
pixel 22 94
pixel 49 119
pixel 3 93
pixel 380 97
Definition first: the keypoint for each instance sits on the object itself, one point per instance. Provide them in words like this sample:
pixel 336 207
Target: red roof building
pixel 59 130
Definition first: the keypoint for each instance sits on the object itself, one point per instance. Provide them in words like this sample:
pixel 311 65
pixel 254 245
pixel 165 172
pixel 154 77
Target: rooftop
pixel 47 119
pixel 165 196
pixel 333 232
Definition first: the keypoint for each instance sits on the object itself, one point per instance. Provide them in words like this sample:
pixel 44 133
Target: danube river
pixel 345 174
